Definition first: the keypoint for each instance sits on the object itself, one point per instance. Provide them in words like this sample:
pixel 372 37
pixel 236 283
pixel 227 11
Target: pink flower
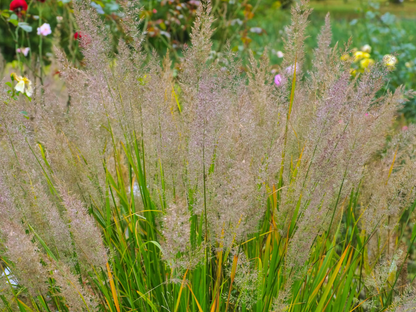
pixel 366 114
pixel 278 80
pixel 404 128
pixel 291 69
pixel 44 30
pixel 195 2
pixel 154 11
pixel 24 51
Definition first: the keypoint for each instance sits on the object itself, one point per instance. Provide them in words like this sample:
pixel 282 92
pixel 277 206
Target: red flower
pixel 84 39
pixel 18 6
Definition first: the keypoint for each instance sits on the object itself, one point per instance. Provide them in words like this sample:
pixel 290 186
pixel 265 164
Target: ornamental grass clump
pixel 216 190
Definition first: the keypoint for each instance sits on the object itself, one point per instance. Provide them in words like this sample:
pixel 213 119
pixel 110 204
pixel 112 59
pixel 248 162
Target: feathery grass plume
pixel 25 258
pixel 48 222
pixel 77 297
pixel 7 213
pixel 246 282
pixel 27 197
pixel 321 73
pixel 29 265
pixel 87 237
pixel 129 22
pixel 295 38
pixel 388 191
pixel 163 133
pixel 331 140
pixel 197 56
pixel 384 273
pixel 406 302
pixel 176 246
pixel 96 43
pixel 261 111
pixel 280 304
pixel 390 179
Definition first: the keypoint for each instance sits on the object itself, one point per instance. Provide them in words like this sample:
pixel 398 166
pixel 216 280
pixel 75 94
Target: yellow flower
pixel 366 48
pixel 366 62
pixel 23 85
pixel 353 72
pixel 360 55
pixel 408 64
pixel 389 61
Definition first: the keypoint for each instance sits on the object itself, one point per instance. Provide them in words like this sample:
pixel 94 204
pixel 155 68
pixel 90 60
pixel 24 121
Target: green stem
pixel 40 48
pixel 16 41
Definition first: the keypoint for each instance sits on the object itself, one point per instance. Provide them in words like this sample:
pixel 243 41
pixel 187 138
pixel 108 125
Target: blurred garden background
pixel 378 27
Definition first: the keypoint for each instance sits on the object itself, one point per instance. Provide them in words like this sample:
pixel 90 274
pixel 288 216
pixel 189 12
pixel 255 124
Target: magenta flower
pixel 278 80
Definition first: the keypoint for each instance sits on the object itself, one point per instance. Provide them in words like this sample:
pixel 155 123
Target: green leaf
pixel 413 234
pixel 25 27
pixel 42 242
pixel 14 22
pixel 328 286
pixel 13 19
pixel 25 114
pixel 388 18
pixel 353 22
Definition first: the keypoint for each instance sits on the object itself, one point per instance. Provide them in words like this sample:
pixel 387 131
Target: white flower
pixel 256 30
pixel 165 33
pixel 236 21
pixel 366 48
pixel 280 54
pixel 44 30
pixel 23 85
pixel 389 61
